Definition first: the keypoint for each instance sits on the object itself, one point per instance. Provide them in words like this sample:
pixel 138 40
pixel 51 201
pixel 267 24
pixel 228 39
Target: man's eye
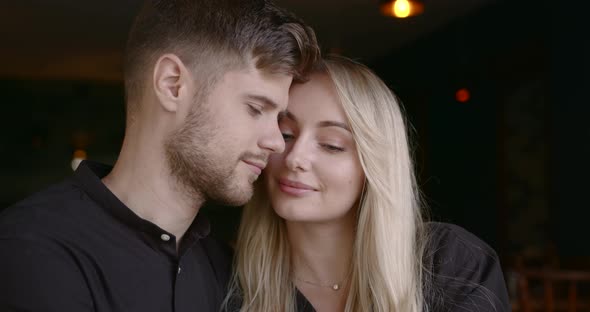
pixel 254 111
pixel 287 136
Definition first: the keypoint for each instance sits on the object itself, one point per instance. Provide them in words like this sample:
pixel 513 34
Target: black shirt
pixel 76 247
pixel 466 274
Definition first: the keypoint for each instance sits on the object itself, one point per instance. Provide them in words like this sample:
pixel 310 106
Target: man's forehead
pixel 254 75
pixel 269 89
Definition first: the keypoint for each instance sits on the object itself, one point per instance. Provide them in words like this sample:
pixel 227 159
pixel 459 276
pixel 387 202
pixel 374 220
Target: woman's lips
pixel 295 188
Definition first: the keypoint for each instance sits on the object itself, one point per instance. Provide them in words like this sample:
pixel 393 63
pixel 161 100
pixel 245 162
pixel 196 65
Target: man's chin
pixel 244 196
pixel 236 197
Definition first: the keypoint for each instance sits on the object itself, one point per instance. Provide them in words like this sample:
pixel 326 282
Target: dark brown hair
pixel 213 36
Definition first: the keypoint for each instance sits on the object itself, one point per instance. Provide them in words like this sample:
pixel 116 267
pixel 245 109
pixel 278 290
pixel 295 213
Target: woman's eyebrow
pixel 330 123
pixel 321 124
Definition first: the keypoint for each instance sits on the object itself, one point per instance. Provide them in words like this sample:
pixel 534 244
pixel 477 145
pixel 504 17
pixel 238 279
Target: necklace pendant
pixel 336 287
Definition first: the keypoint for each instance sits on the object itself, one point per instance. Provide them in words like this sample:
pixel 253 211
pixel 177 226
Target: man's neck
pixel 142 181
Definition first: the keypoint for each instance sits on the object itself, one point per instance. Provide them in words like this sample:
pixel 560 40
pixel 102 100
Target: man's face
pixel 226 140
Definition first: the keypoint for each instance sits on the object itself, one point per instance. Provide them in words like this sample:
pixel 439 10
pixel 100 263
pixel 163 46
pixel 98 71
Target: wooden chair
pixel 550 290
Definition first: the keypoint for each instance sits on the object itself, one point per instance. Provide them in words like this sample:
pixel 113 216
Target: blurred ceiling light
pixel 402 8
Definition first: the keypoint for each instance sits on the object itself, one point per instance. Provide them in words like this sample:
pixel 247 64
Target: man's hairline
pixel 247 66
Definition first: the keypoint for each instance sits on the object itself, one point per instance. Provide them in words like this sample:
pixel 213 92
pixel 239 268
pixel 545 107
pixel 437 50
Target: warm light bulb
pixel 79 156
pixel 401 8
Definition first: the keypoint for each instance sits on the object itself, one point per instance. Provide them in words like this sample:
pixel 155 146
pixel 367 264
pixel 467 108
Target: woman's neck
pixel 322 252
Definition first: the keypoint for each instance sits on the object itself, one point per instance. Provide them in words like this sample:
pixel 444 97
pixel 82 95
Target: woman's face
pixel 318 178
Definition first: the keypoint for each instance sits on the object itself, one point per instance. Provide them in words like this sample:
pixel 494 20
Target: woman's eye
pixel 332 148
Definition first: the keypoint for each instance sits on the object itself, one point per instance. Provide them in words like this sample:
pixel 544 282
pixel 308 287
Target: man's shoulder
pixel 220 256
pixel 53 207
pixel 217 250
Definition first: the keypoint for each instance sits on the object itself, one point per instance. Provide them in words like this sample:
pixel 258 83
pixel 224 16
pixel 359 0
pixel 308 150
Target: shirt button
pixel 165 237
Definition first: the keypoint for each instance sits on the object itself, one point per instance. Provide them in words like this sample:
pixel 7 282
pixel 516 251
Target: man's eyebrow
pixel 262 99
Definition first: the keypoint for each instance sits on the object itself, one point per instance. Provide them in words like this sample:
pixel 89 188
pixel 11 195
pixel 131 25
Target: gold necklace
pixel 334 286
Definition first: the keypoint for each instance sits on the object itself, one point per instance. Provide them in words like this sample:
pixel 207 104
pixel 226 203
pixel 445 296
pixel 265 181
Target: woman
pixel 335 223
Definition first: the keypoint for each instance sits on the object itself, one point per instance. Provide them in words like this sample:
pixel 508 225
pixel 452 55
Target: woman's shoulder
pixel 448 240
pixel 463 271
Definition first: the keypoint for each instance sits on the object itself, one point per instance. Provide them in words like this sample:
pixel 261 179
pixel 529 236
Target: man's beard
pixel 196 159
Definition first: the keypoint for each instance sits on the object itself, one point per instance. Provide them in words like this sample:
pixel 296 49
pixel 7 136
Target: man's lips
pixel 257 167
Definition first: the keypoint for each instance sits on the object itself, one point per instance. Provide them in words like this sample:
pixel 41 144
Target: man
pixel 205 81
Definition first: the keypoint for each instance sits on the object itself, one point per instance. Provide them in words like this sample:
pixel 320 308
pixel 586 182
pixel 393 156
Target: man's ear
pixel 171 82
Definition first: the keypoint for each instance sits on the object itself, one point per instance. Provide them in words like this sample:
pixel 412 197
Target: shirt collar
pixel 89 175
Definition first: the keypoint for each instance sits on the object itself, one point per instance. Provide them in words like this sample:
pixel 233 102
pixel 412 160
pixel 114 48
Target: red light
pixel 462 95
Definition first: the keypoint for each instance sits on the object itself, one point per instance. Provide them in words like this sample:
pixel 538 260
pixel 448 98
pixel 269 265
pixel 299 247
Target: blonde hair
pixel 389 243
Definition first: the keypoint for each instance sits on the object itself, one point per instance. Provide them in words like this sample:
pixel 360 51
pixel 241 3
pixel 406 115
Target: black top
pixel 76 247
pixel 466 274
